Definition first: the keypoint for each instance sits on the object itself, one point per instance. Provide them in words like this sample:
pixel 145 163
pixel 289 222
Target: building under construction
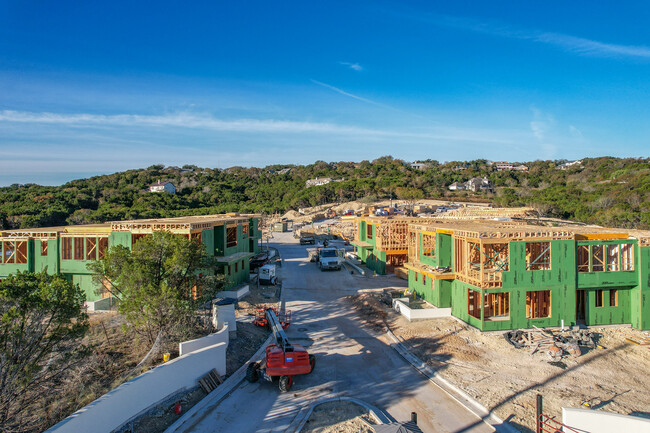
pixel 381 242
pixel 506 275
pixel 232 239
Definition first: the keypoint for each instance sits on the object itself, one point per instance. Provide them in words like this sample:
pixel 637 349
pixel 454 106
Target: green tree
pixel 42 322
pixel 160 282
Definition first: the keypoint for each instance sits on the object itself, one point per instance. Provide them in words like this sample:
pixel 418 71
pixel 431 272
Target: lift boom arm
pixel 280 337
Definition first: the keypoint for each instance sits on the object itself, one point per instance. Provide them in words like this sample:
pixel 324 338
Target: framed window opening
pixel 538 256
pixel 613 297
pixel 44 244
pixel 599 298
pixel 231 236
pixel 496 306
pixel 428 245
pixel 66 248
pixel 369 231
pixel 474 303
pixel 538 304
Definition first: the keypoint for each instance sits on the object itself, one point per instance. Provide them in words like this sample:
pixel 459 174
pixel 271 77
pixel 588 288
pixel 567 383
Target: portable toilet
pixel 267 274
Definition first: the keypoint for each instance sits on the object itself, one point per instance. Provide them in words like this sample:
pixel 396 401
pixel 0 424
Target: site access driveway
pixel 351 360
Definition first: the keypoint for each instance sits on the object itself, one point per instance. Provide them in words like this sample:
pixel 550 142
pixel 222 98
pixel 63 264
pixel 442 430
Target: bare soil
pixel 339 417
pixel 507 380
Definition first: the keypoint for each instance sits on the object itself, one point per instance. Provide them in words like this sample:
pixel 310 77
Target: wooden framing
pixel 496 305
pixel 538 304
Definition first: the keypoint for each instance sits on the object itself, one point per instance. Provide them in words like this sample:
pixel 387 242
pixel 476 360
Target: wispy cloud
pixel 354 66
pixel 180 120
pixel 351 95
pixel 541 123
pixel 569 43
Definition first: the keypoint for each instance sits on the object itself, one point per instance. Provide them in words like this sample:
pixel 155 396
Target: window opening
pixel 613 298
pixel 538 304
pixel 538 256
pixel 91 248
pixel 66 248
pixel 612 257
pixel 428 245
pixel 369 231
pixel 496 305
pixel 78 248
pixel 627 257
pixel 21 252
pixel 600 298
pixel 598 259
pixel 43 247
pixel 102 248
pixel 583 258
pixel 231 236
pixel 474 303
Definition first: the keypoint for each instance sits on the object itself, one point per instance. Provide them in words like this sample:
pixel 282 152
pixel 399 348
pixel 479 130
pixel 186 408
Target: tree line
pixel 606 191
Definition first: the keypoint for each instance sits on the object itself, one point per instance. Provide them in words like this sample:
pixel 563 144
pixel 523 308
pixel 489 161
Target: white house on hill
pixel 163 187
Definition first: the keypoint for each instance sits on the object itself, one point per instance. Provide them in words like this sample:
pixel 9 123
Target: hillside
pixel 606 191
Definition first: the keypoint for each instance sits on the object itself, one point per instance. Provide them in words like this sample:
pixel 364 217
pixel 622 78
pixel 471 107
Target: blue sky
pixel 95 87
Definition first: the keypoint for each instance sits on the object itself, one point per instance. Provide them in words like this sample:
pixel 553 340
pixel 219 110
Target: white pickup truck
pixel 327 257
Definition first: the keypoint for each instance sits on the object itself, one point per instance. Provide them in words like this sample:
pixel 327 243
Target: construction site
pixel 472 312
pixel 232 239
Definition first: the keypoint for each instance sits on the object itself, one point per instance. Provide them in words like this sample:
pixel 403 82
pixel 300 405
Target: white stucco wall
pixel 190 346
pixel 596 421
pixel 136 396
pixel 236 294
pixel 401 305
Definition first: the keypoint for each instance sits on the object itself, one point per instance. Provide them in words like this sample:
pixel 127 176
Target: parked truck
pixel 327 257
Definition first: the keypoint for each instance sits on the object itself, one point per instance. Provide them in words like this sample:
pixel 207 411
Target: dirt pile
pixel 371 310
pixel 339 417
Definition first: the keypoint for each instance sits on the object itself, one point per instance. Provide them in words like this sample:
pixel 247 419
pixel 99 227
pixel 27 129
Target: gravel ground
pixel 338 417
pixel 507 380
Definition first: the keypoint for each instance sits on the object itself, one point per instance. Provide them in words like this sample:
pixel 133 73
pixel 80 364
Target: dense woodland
pixel 607 191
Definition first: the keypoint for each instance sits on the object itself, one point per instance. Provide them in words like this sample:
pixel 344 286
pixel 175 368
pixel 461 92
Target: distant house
pixel 569 164
pixel 478 184
pixel 502 165
pixel 163 187
pixel 284 170
pixel 456 186
pixel 318 181
pixel 520 167
pixel 419 165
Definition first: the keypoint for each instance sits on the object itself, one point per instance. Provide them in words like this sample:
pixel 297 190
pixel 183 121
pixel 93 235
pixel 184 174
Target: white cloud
pixel 351 95
pixel 575 133
pixel 354 66
pixel 541 124
pixel 180 120
pixel 570 43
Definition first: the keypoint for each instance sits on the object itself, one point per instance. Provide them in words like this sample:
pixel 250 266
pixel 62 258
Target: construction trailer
pixel 381 242
pixel 66 250
pixel 499 275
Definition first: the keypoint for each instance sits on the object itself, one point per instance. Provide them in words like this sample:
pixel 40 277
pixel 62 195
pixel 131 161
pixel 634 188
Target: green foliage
pixel 42 320
pixel 574 193
pixel 154 281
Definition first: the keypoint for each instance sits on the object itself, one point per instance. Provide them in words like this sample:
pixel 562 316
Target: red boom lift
pixel 282 360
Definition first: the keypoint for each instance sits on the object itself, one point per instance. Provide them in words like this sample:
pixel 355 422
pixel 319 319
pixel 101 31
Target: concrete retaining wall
pixel 235 294
pixel 594 421
pixel 138 395
pixel 190 346
pixel 103 304
pixel 401 305
pixel 224 314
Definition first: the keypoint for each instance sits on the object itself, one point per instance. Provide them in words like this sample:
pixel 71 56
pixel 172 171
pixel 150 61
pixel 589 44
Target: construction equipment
pixel 282 360
pixel 284 317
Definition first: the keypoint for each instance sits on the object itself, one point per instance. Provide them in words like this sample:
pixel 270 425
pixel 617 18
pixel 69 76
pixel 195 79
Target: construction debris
pixel 556 345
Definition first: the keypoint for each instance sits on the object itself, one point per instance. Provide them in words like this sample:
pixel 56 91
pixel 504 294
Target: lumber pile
pixel 555 345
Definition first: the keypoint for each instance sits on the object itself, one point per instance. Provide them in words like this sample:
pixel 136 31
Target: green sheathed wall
pixel 376 261
pixel 438 295
pixel 640 295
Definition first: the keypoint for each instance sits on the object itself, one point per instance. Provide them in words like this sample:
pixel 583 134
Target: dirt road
pixel 352 360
